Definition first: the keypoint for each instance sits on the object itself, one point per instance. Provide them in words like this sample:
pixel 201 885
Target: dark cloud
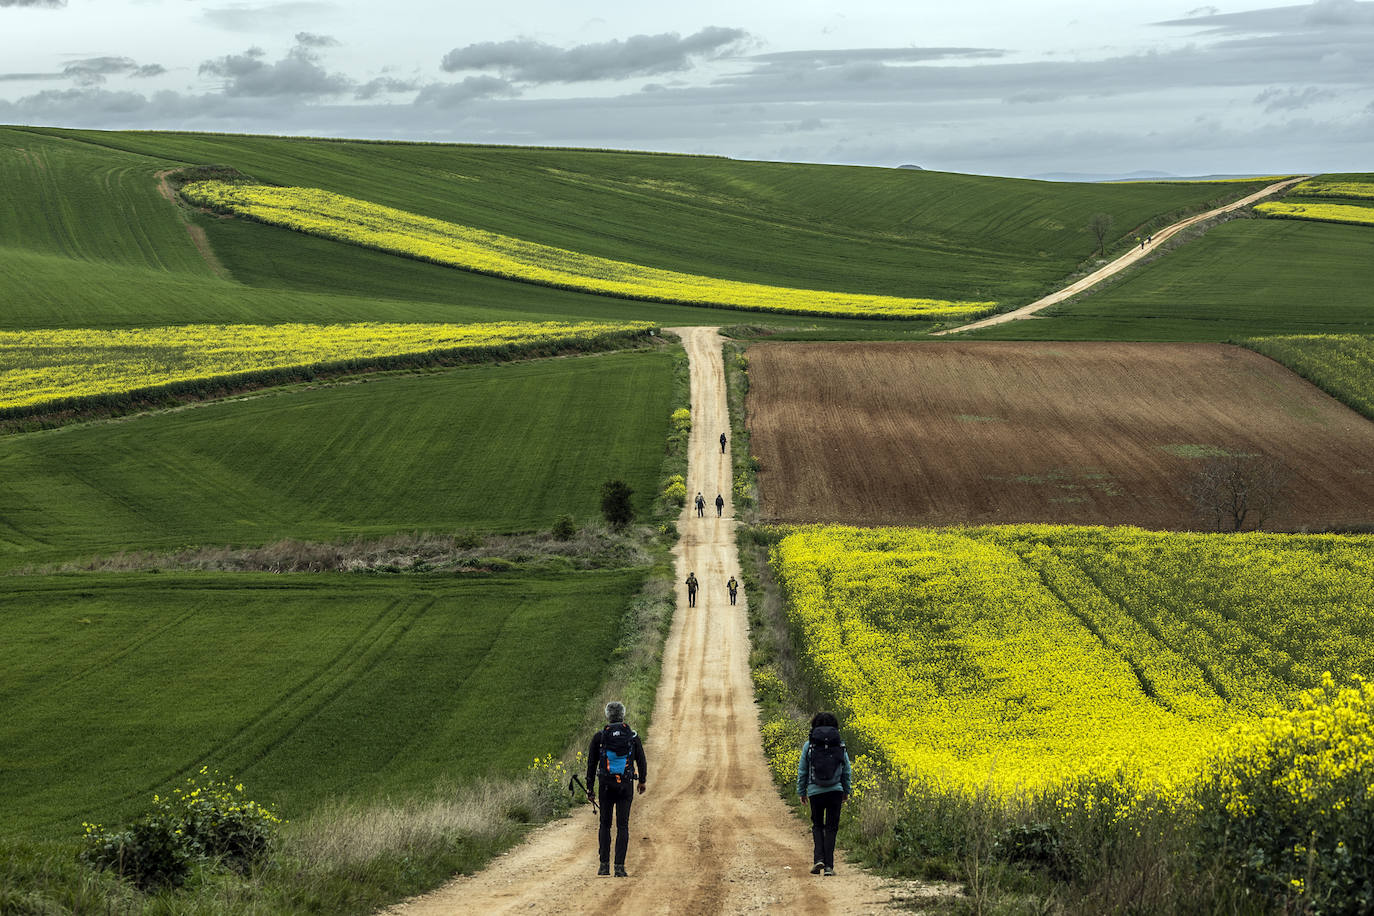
pixel 45 4
pixel 450 95
pixel 529 61
pixel 298 75
pixel 240 17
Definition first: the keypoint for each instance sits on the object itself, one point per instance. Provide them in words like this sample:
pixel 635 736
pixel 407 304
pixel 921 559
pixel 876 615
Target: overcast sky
pixel 993 86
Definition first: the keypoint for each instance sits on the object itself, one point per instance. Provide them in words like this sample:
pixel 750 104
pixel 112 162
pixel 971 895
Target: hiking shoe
pixel 620 872
pixel 829 871
pixel 605 869
pixel 816 869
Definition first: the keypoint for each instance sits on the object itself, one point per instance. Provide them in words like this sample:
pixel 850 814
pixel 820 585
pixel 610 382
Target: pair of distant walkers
pixel 701 505
pixel 693 583
pixel 616 759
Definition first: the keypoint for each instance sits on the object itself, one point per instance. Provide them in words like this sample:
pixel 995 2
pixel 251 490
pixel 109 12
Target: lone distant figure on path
pixel 722 443
pixel 733 588
pixel 692 589
pixel 701 506
pixel 616 757
pixel 720 504
pixel 823 779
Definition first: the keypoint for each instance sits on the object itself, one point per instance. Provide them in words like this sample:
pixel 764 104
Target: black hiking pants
pixel 614 799
pixel 691 597
pixel 825 822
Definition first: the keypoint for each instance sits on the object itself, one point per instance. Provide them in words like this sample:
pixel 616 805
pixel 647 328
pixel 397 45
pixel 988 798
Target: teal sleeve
pixel 846 779
pixel 803 768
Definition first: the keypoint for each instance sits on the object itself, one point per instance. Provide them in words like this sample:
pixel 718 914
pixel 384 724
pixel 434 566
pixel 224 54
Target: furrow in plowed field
pixel 1077 433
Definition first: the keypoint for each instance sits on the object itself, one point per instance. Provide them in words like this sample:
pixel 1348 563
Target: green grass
pixel 861 230
pixel 1245 278
pixel 306 688
pixel 490 448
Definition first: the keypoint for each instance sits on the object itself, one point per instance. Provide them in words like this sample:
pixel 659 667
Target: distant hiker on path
pixel 722 443
pixel 616 757
pixel 823 779
pixel 701 506
pixel 720 504
pixel 692 589
pixel 733 588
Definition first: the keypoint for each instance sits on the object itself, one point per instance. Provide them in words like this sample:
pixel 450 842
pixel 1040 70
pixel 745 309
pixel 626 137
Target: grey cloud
pixel 93 70
pixel 28 77
pixel 1203 11
pixel 1319 14
pixel 311 40
pixel 451 95
pixel 526 60
pixel 1292 99
pixel 830 58
pixel 383 85
pixel 241 17
pixel 148 70
pixel 298 74
pixel 45 4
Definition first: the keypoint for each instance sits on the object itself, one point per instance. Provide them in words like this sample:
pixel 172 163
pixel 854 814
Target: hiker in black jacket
pixel 616 757
pixel 824 781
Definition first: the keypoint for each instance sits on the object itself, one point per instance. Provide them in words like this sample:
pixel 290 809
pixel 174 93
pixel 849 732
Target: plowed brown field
pixel 1078 433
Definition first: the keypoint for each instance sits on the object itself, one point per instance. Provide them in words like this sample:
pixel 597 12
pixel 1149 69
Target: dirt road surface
pixel 710 835
pixel 1121 263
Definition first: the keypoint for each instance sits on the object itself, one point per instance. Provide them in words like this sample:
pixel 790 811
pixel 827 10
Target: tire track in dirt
pixel 1121 263
pixel 710 835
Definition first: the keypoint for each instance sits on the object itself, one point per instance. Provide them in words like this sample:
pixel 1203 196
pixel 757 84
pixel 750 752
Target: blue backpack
pixel 617 749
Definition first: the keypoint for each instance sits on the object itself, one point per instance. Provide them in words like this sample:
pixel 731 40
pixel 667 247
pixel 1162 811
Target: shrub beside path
pixel 1121 263
pixel 710 835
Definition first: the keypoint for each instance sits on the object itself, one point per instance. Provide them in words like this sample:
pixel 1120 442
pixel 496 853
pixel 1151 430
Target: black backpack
pixel 827 756
pixel 617 752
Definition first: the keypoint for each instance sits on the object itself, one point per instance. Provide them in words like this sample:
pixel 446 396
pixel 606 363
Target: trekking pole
pixel 585 791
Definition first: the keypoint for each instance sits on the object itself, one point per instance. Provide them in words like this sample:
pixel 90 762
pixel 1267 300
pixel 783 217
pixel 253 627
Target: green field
pixel 307 688
pixel 1342 365
pixel 1245 278
pixel 860 230
pixel 490 448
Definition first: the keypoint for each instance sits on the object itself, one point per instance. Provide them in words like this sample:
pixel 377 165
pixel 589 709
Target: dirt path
pixel 710 835
pixel 1121 263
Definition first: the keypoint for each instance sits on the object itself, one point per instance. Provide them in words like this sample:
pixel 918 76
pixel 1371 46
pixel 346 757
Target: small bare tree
pixel 1238 489
pixel 1101 226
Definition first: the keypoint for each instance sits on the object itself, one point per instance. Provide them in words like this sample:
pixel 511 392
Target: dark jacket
pixel 638 765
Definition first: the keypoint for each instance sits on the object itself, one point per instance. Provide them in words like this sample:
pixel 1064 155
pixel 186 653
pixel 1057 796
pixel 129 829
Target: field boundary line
pixel 1131 257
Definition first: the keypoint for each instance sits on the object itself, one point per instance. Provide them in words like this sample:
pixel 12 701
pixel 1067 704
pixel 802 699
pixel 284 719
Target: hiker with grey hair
pixel 616 758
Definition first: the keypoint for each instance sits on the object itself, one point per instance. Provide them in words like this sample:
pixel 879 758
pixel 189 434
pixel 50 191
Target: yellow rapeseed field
pixel 1327 213
pixel 1321 187
pixel 1023 656
pixel 39 367
pixel 401 232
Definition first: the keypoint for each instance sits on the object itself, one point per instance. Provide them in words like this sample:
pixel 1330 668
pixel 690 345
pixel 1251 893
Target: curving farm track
pixel 1126 260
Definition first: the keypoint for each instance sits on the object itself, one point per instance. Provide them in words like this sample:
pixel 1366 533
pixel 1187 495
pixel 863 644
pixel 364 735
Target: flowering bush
pixel 204 820
pixel 1290 800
